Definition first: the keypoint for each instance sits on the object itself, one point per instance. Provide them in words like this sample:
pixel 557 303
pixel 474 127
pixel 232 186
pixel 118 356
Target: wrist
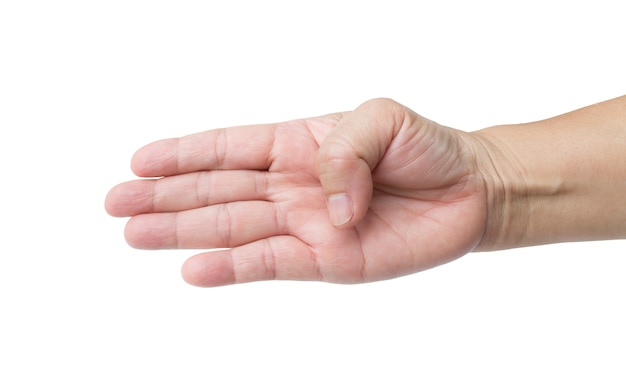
pixel 503 179
pixel 522 185
pixel 556 180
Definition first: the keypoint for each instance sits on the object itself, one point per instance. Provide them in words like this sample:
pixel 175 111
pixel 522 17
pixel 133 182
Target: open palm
pixel 262 191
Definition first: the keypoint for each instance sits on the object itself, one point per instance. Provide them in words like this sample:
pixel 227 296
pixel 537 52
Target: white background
pixel 83 84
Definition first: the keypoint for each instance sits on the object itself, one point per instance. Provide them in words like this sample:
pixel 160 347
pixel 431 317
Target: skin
pixel 558 180
pixel 367 195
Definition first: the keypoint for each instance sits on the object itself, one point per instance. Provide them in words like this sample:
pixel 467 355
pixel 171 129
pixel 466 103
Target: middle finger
pixel 188 191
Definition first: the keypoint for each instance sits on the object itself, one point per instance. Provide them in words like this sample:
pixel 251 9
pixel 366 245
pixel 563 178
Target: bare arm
pixel 557 180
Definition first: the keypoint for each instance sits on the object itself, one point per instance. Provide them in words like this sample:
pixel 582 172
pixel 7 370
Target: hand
pixel 351 197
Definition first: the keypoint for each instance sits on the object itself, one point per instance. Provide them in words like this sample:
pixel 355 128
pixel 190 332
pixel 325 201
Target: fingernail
pixel 340 209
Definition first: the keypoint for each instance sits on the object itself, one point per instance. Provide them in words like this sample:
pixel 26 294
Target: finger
pixel 186 192
pixel 218 226
pixel 350 152
pixel 274 258
pixel 246 147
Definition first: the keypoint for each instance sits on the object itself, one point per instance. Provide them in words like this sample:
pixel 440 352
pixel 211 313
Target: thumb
pixel 350 152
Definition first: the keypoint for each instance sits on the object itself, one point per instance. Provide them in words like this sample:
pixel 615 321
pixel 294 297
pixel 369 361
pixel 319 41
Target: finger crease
pixel 223 225
pixel 178 155
pixel 219 148
pixel 153 196
pixel 270 154
pixel 269 260
pixel 177 242
pixel 199 199
pixel 278 220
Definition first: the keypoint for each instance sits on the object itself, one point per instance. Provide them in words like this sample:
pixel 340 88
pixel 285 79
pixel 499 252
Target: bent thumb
pixel 348 155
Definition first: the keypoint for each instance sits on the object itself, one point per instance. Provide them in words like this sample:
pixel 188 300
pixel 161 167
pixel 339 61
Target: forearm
pixel 557 180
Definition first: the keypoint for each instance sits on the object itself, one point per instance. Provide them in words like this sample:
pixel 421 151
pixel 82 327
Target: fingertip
pixel 112 202
pixel 155 159
pixel 349 189
pixel 343 213
pixel 128 199
pixel 132 233
pixel 192 272
pixel 340 209
pixel 151 231
pixel 209 269
pixel 109 206
pixel 138 162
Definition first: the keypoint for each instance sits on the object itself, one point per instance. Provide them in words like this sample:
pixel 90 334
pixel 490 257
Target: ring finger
pixel 218 226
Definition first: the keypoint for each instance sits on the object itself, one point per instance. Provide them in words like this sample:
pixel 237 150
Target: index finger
pixel 244 147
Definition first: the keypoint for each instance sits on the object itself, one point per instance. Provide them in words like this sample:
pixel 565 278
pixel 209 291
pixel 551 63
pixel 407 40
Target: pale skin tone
pixel 374 193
